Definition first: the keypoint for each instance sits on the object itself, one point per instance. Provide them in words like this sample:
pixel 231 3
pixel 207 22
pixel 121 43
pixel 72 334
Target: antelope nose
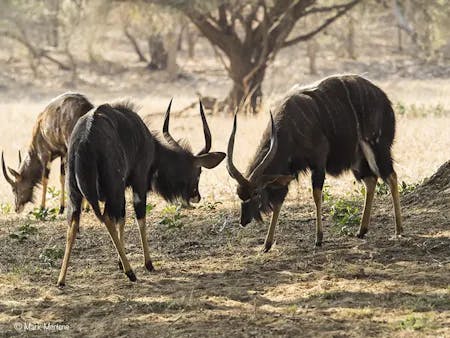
pixel 196 199
pixel 244 222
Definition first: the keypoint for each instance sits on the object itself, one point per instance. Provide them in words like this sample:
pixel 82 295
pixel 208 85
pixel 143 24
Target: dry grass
pixel 211 278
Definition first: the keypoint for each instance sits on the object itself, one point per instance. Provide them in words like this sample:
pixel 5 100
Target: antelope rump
pixel 342 123
pixel 111 149
pixel 49 140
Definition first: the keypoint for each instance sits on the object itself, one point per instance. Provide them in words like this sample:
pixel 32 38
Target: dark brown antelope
pixel 111 149
pixel 49 140
pixel 342 123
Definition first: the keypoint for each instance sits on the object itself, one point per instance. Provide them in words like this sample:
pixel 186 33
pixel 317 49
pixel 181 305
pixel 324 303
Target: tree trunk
pixel 191 39
pixel 245 87
pixel 312 48
pixel 157 52
pixel 135 45
pixel 171 48
pixel 351 39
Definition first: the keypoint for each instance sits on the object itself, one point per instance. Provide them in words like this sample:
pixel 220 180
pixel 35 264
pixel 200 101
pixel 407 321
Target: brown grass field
pixel 211 278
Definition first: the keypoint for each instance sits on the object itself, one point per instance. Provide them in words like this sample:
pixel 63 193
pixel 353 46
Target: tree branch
pixel 343 9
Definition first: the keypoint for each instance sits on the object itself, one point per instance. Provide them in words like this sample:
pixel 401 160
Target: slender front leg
pixel 393 186
pixel 62 179
pixel 45 174
pixel 121 231
pixel 70 240
pixel 318 178
pixel 317 195
pixel 139 203
pixel 143 231
pixel 370 183
pixel 271 231
pixel 120 250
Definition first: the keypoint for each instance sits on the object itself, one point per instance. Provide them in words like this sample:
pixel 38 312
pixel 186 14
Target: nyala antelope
pixel 111 149
pixel 342 123
pixel 49 140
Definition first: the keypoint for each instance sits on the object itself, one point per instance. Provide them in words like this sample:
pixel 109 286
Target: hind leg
pixel 393 186
pixel 73 218
pixel 387 173
pixel 121 232
pixel 370 184
pixel 45 175
pixel 362 171
pixel 62 180
pixel 111 226
pixel 318 178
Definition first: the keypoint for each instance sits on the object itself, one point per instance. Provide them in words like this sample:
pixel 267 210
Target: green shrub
pixel 23 232
pixel 345 214
pixel 405 188
pixel 172 217
pixel 422 110
pixel 5 208
pixel 51 255
pixel 44 214
pixel 381 189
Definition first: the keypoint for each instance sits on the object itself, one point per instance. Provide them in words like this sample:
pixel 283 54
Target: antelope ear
pixel 209 160
pixel 276 180
pixel 14 173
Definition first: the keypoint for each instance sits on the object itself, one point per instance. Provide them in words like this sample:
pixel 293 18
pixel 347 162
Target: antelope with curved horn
pixel 110 149
pixel 342 123
pixel 49 140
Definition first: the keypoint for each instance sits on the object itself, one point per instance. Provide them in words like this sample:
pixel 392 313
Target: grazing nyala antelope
pixel 343 122
pixel 49 140
pixel 111 149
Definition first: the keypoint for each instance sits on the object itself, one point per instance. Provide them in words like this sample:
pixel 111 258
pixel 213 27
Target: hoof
pixel 61 285
pixel 319 238
pixel 130 274
pixel 360 235
pixel 149 266
pixel 119 263
pixel 61 210
pixel 396 237
pixel 267 247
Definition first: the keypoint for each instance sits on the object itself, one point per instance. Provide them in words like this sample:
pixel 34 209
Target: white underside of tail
pixel 370 157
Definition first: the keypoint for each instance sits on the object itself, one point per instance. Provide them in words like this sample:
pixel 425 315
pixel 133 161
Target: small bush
pixel 149 207
pixel 405 188
pixel 345 214
pixel 51 255
pixel 381 189
pixel 45 214
pixel 415 111
pixel 5 208
pixel 172 217
pixel 210 205
pixel 53 193
pixel 23 232
pixel 413 323
pixel 326 194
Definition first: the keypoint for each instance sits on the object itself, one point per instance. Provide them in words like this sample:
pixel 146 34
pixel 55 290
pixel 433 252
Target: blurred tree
pixel 155 25
pixel 247 35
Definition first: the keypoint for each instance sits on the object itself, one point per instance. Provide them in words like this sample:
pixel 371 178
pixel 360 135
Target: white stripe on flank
pixel 370 157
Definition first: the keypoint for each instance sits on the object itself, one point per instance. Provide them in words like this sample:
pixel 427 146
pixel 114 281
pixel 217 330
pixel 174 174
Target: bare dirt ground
pixel 211 278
